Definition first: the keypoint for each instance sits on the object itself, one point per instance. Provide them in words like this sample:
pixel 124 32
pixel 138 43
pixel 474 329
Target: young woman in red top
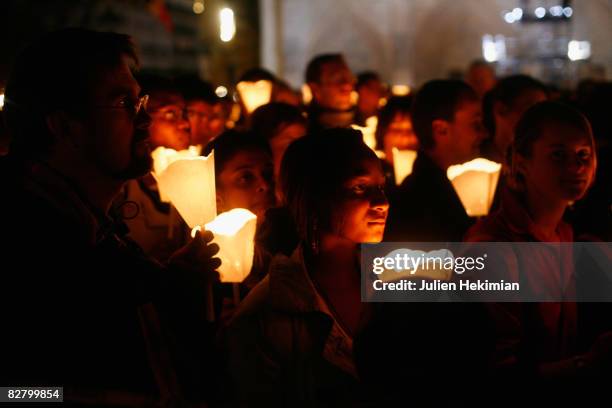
pixel 552 164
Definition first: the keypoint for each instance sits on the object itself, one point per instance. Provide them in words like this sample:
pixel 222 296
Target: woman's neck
pixel 336 264
pixel 545 214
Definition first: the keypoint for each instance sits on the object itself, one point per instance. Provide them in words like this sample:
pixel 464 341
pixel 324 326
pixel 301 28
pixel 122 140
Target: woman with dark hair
pixel 552 163
pixel 394 130
pixel 291 340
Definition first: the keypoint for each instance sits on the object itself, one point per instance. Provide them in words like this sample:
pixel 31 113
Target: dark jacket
pixel 537 332
pixel 285 348
pixel 87 309
pixel 426 207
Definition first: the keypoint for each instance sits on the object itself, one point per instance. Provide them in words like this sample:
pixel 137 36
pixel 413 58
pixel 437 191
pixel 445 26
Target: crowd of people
pixel 105 292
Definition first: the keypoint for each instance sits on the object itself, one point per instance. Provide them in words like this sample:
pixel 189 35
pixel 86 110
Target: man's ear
pixel 64 128
pixel 439 128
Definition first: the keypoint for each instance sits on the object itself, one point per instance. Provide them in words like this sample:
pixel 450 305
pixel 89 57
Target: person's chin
pixel 375 232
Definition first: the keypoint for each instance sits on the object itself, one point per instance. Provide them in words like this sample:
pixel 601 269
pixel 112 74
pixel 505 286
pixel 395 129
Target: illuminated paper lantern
pixel 234 232
pixel 190 185
pixel 368 131
pixel 475 183
pixel 162 157
pixel 403 160
pixel 254 94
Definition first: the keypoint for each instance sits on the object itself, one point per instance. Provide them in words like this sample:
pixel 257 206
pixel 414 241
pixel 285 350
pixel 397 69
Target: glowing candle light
pixel 475 183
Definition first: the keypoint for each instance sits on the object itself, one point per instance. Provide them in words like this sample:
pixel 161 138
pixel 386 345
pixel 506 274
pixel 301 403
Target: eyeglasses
pixel 132 106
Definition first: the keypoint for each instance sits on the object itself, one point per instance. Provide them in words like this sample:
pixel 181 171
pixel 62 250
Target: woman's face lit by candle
pixel 561 165
pixel 361 211
pixel 246 181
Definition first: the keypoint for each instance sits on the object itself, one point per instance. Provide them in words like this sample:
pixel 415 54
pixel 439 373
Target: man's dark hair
pixel 257 74
pixel 230 143
pixel 507 91
pixel 315 66
pixel 267 120
pixel 153 83
pixel 365 77
pixel 195 89
pixel 438 99
pixel 57 73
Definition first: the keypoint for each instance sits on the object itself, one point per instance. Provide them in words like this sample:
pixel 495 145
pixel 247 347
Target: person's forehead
pixel 166 98
pixel 115 80
pixel 199 104
pixel 365 167
pixel 248 159
pixel 554 133
pixel 334 67
pixel 468 107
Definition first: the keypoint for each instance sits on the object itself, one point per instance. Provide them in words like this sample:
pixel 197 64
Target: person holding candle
pixel 371 91
pixel 204 110
pixel 331 83
pixel 394 130
pixel 88 310
pixel 243 172
pixel 279 124
pixel 447 120
pixel 290 342
pixel 244 179
pixel 552 163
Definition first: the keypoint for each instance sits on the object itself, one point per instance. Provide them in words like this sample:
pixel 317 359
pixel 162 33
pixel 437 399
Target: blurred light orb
pixel 221 91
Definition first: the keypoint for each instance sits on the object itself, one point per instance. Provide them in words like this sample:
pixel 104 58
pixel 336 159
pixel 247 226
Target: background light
pixel 221 91
pixel 556 11
pixel 198 6
pixel 227 24
pixel 540 12
pixel 578 50
pixel 509 17
pixel 568 11
pixel 400 90
pixel 493 48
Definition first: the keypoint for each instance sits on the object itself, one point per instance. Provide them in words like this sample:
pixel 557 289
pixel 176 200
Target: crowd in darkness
pixel 104 291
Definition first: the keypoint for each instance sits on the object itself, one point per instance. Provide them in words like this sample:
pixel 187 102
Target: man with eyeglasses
pixel 82 306
pixel 204 110
pixel 331 83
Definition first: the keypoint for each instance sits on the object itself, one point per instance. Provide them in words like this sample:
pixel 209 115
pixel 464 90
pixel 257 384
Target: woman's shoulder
pixel 492 228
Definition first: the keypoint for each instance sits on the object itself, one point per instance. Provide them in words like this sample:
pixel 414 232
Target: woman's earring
pixel 314 244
